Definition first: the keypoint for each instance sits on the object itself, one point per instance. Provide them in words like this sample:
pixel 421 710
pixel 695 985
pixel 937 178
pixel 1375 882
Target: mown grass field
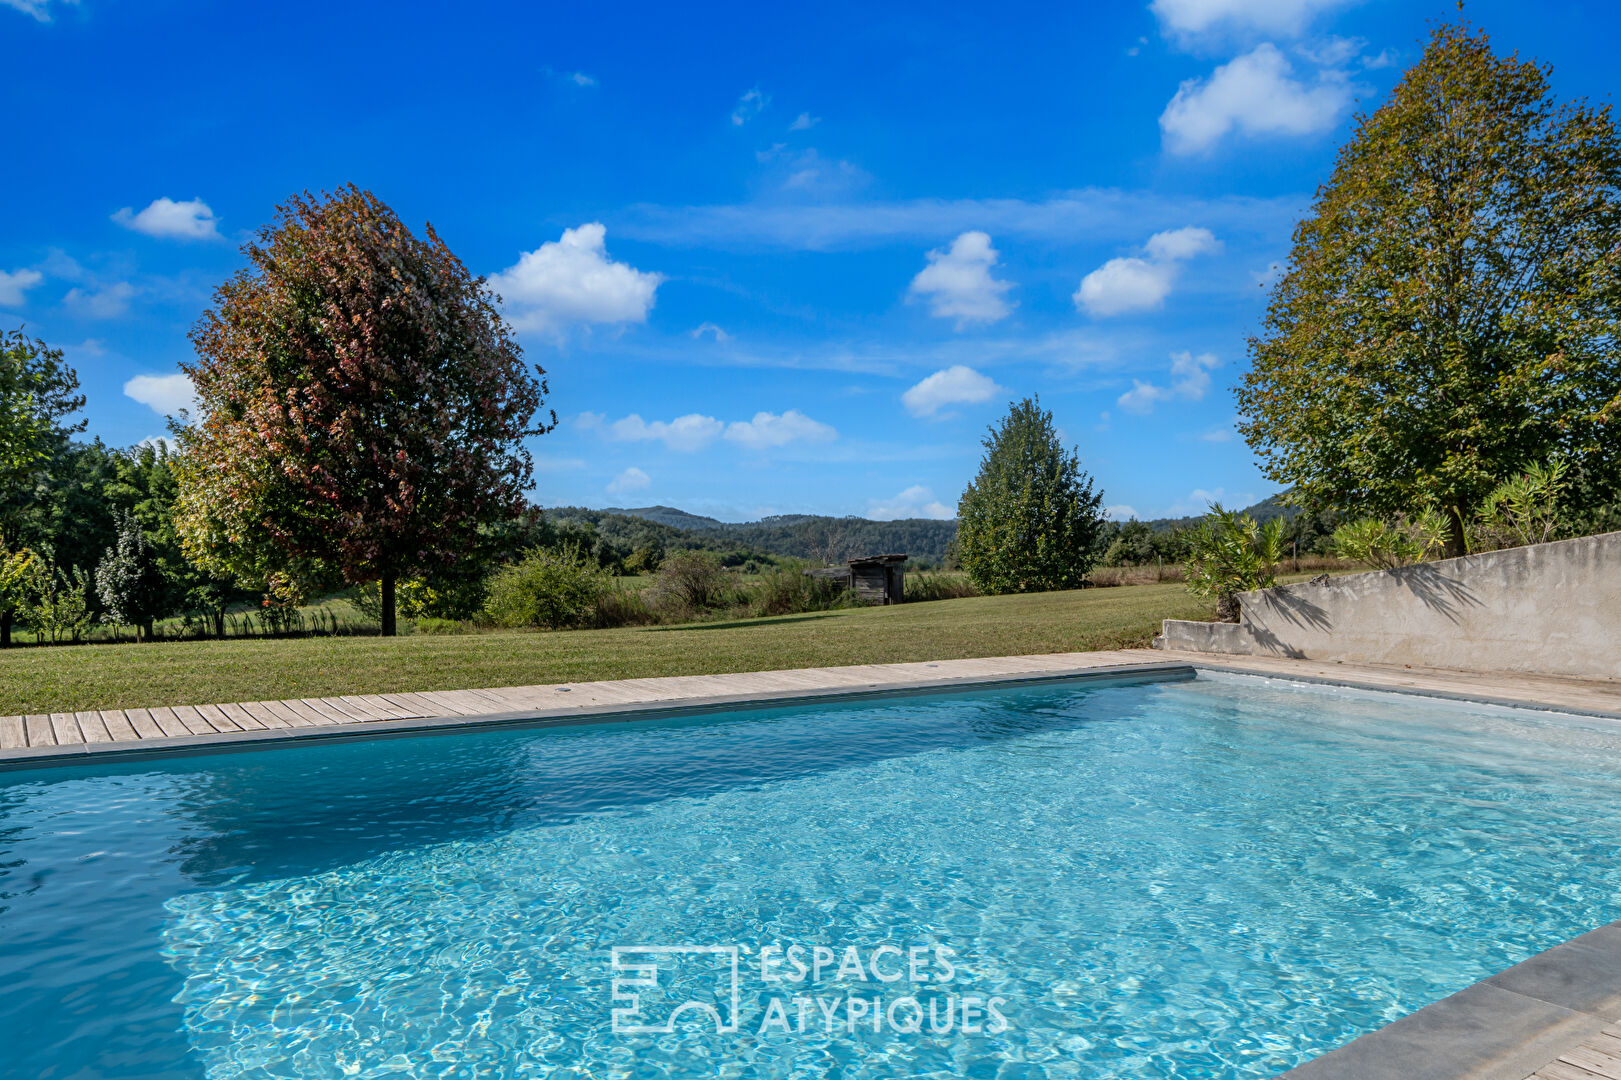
pixel 63 678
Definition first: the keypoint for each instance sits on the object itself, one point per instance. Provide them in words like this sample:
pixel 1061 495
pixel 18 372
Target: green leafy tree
pixel 1229 553
pixel 38 391
pixel 1452 305
pixel 129 581
pixel 363 405
pixel 1030 520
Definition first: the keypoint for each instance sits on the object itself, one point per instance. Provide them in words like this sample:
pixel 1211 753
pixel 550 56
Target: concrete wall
pixel 1552 608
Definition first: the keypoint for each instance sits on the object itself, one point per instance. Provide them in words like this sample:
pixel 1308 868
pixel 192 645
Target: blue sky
pixel 773 260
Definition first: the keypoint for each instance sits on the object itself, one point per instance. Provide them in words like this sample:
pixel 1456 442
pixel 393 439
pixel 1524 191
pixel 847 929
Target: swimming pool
pixel 1214 878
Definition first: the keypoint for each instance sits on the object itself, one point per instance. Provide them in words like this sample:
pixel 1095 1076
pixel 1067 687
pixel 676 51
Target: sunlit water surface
pixel 1216 878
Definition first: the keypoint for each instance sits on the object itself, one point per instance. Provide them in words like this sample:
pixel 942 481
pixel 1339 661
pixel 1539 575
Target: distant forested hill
pixel 800 536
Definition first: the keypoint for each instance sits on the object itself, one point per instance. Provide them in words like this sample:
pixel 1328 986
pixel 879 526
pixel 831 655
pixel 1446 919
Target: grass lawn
pixel 64 678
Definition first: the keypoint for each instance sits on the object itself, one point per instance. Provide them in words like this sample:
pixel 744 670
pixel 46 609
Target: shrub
pixel 1385 546
pixel 59 606
pixel 691 582
pixel 929 585
pixel 787 590
pixel 550 588
pixel 619 606
pixel 1228 553
pixel 1526 509
pixel 431 624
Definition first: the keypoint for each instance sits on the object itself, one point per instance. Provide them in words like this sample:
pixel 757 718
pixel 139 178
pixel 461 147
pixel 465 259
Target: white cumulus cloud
pixel 916 501
pixel 804 122
pixel 166 218
pixel 572 281
pixel 1189 20
pixel 632 479
pixel 14 283
pixel 1142 284
pixel 1190 379
pixel 1255 94
pixel 768 430
pixel 955 385
pixel 163 394
pixel 958 282
pixel 693 431
pixel 710 328
pixel 1120 512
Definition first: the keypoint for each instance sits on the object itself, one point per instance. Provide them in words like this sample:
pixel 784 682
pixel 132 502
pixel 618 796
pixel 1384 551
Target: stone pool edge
pixel 1528 1022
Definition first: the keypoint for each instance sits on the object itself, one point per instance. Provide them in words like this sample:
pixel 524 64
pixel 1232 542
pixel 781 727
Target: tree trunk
pixel 5 629
pixel 388 603
pixel 146 631
pixel 219 623
pixel 1227 607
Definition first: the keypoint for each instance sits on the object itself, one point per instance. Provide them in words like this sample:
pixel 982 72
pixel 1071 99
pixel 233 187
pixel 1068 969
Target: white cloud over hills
pixel 572 281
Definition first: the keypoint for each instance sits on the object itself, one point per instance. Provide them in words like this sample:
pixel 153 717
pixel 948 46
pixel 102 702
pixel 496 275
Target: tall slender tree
pixel 38 392
pixel 1030 521
pixel 1451 308
pixel 363 404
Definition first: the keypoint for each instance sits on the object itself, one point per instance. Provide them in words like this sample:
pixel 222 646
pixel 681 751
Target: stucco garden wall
pixel 1551 608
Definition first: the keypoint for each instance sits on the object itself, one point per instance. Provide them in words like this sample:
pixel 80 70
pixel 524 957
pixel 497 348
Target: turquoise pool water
pixel 1215 878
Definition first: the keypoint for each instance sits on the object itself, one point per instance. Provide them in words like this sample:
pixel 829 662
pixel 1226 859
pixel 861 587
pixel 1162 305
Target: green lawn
pixel 63 678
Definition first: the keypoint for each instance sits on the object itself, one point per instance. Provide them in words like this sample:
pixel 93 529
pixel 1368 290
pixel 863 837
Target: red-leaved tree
pixel 363 404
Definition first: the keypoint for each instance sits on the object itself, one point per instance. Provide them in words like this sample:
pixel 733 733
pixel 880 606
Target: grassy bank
pixel 36 680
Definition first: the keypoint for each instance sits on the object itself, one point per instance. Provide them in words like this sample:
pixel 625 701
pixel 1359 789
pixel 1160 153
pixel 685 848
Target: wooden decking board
pixel 454 703
pixel 358 707
pixel 66 729
pixel 220 720
pixel 12 735
pixel 316 717
pixel 259 713
pixel 289 715
pixel 170 724
pixel 1595 1061
pixel 143 723
pixel 38 728
pixel 414 704
pixel 118 725
pixel 91 726
pixel 245 720
pixel 196 723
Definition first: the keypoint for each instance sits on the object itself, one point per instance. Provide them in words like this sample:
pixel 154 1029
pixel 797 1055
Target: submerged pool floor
pixel 1217 878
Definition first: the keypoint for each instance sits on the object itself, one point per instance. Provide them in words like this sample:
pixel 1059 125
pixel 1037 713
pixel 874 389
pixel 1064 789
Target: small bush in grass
pixel 691 582
pixel 787 590
pixel 549 588
pixel 938 586
pixel 621 606
pixel 429 624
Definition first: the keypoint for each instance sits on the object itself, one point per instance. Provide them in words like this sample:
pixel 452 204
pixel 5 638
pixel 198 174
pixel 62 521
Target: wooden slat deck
pixel 1597 1057
pixel 109 730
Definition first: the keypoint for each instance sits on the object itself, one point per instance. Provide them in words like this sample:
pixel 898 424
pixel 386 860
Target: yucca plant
pixel 1228 553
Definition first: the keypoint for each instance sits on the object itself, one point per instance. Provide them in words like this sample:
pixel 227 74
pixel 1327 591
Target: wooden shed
pixel 875 579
